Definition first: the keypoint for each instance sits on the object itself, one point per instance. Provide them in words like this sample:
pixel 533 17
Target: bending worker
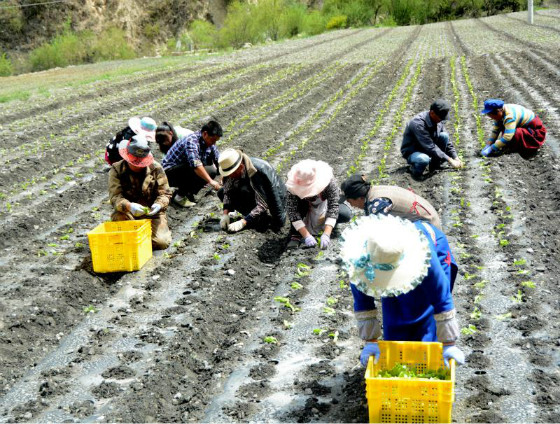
pixel 399 262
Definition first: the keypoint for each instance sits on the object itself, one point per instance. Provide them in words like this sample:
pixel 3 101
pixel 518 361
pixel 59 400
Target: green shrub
pixel 314 23
pixel 358 13
pixel 239 27
pixel 6 67
pixel 338 21
pixel 65 49
pixel 111 44
pixel 266 19
pixel 292 20
pixel 203 34
pixel 152 31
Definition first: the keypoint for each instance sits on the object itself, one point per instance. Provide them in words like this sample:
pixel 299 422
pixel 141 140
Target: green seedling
pixel 468 276
pixel 288 324
pixel 178 243
pixel 286 302
pixel 318 331
pixel 217 257
pixel 296 286
pixel 79 245
pixel 334 336
pixel 302 270
pixel 193 234
pixel 504 242
pixel 519 262
pixel 166 255
pixel 480 285
pixel 406 371
pixel 69 230
pixel 225 246
pixel 476 314
pixel 146 210
pixel 342 284
pixel 503 317
pixel 328 310
pixel 320 255
pixel 529 284
pixel 518 298
pixel 478 298
pixel 500 226
pixel 95 208
pixel 52 245
pixel 42 252
pixel 522 272
pixel 331 301
pixel 475 236
pixel 467 331
pixel 90 309
pixel 65 237
pixel 270 340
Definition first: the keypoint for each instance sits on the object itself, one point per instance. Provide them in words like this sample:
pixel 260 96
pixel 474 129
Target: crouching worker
pixel 386 200
pixel 254 189
pixel 401 263
pixel 313 204
pixel 138 189
pixel 521 130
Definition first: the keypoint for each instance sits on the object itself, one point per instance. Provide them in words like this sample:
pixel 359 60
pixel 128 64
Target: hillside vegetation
pixel 56 33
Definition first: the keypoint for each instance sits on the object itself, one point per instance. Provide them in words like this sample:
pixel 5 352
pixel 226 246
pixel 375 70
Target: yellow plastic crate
pixel 409 400
pixel 121 245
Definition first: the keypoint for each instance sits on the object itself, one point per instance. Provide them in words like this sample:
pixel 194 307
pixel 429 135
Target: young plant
pixel 270 340
pixel 302 270
pixel 331 301
pixel 286 302
pixel 529 284
pixel 467 331
pixel 288 324
pixel 318 331
pixel 503 317
pixel 90 309
pixel 328 310
pixel 296 286
pixel 518 298
pixel 334 336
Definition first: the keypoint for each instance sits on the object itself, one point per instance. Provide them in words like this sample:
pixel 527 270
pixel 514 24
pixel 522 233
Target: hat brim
pixel 230 170
pixel 323 176
pixel 134 160
pixel 485 111
pixel 411 269
pixel 135 125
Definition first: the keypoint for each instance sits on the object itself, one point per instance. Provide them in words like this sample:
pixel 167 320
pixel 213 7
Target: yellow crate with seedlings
pixel 409 399
pixel 120 245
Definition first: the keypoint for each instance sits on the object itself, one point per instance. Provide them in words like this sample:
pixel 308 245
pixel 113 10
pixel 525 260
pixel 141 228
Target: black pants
pixel 185 179
pixel 242 199
pixel 344 215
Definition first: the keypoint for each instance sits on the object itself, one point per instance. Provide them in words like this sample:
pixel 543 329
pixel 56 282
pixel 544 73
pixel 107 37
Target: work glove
pixel 370 349
pixel 237 226
pixel 325 241
pixel 310 241
pixel 156 207
pixel 224 221
pixel 489 150
pixel 137 209
pixel 453 352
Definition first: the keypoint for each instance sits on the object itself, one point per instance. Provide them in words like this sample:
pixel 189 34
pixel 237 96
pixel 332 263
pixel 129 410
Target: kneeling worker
pixel 253 188
pixel 138 189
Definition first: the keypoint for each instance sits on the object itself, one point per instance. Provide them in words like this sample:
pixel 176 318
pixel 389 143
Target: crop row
pixel 347 93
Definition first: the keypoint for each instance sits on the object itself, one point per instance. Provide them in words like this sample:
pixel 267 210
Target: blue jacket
pixel 432 296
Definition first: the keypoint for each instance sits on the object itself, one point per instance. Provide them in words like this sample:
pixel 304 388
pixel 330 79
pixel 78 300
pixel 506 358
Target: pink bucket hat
pixel 309 177
pixel 146 126
pixel 136 151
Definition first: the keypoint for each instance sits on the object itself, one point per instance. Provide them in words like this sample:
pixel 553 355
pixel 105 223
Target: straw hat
pixel 229 161
pixel 146 126
pixel 136 151
pixel 385 255
pixel 308 178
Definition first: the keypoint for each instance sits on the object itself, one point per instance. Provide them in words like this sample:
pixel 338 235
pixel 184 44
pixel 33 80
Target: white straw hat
pixel 146 126
pixel 229 161
pixel 385 255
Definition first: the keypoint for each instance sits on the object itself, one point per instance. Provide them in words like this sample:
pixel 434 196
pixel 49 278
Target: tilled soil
pixel 183 338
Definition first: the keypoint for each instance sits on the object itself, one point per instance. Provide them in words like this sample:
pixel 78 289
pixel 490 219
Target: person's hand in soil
pixel 453 352
pixel 237 226
pixel 325 241
pixel 456 163
pixel 310 241
pixel 137 209
pixel 154 209
pixel 370 349
pixel 489 150
pixel 224 221
pixel 215 185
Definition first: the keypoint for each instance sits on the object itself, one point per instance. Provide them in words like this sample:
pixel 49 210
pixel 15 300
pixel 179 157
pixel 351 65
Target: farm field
pixel 183 339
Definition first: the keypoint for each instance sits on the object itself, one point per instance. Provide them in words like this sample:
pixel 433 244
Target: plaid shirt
pixel 191 150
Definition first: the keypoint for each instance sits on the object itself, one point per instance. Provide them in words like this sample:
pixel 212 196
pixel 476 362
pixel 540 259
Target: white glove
pixel 237 226
pixel 453 352
pixel 224 221
pixel 156 207
pixel 137 209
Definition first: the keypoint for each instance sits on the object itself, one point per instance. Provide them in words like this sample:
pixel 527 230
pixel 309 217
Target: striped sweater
pixel 515 116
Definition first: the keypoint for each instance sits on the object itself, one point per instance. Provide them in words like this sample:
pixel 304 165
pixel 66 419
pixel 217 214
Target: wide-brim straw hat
pixel 309 178
pixel 385 256
pixel 136 151
pixel 146 126
pixel 229 161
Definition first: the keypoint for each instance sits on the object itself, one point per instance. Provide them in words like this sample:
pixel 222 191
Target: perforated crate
pixel 409 400
pixel 120 245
